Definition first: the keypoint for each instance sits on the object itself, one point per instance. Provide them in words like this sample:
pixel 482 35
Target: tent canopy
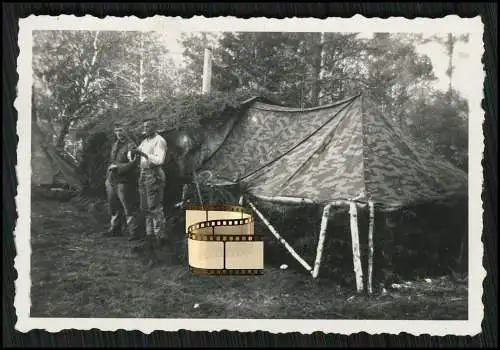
pixel 47 163
pixel 342 151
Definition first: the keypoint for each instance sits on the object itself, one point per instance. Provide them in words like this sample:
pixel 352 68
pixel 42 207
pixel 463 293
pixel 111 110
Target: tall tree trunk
pixel 141 69
pixel 317 48
pixel 62 134
pixel 450 44
pixel 322 67
pixel 90 71
pixel 33 105
pixel 204 40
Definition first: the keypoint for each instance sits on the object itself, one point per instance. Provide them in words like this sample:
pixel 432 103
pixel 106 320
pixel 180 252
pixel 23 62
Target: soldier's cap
pixel 151 121
pixel 119 125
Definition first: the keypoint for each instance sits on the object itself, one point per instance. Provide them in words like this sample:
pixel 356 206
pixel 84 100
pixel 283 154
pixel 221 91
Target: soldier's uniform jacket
pixel 127 167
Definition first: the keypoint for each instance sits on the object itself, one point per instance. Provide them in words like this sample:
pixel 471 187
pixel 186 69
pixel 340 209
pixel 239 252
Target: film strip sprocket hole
pixel 221 241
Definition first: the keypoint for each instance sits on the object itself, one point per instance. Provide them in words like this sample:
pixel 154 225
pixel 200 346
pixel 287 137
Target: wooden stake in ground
pixel 321 240
pixel 370 247
pixel 358 271
pixel 280 239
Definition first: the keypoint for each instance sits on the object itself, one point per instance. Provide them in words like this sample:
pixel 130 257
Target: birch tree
pixel 66 68
pixel 395 73
pixel 297 69
pixel 140 68
pixel 194 45
pixel 449 42
pixel 317 40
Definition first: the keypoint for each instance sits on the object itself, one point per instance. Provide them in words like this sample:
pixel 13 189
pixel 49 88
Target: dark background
pixel 95 338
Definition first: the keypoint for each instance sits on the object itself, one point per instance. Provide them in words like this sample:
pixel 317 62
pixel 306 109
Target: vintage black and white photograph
pixel 355 144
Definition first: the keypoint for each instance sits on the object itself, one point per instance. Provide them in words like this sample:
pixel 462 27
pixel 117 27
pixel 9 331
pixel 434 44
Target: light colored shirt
pixel 155 148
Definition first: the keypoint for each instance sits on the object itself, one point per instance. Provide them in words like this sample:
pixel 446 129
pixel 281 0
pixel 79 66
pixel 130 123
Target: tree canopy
pixel 89 78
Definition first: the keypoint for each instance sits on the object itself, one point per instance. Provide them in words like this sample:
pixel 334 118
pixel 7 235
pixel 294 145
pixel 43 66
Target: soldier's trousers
pixel 120 204
pixel 151 189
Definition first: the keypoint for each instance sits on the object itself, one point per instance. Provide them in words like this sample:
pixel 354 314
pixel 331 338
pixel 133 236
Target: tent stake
pixel 321 241
pixel 358 271
pixel 370 247
pixel 280 239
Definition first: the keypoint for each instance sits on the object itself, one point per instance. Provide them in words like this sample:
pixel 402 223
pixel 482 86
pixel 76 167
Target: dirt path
pixel 78 273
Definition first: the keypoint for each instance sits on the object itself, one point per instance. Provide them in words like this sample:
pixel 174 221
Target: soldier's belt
pixel 147 168
pixel 221 241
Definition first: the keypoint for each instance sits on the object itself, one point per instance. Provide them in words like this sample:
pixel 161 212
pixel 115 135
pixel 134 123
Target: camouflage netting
pixel 189 115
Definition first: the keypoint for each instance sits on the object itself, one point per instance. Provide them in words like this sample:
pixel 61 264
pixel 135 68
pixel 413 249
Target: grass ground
pixel 76 272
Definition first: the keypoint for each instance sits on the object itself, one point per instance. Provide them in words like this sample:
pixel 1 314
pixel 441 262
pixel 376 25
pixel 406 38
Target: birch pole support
pixel 280 239
pixel 358 271
pixel 370 247
pixel 321 240
pixel 207 72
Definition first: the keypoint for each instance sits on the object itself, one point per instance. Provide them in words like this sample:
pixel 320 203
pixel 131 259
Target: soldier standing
pixel 152 153
pixel 121 180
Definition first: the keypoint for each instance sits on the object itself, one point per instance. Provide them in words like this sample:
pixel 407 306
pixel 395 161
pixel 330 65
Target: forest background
pixel 418 80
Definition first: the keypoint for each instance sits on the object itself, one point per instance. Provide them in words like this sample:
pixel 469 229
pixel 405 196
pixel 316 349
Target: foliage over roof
pixel 191 113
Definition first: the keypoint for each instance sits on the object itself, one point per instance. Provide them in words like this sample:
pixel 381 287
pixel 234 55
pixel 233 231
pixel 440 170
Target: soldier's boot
pixel 143 243
pixel 162 241
pixel 132 229
pixel 151 244
pixel 114 228
pixel 160 228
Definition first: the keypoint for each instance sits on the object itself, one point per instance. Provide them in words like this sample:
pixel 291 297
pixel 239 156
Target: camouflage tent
pixel 343 155
pixel 343 151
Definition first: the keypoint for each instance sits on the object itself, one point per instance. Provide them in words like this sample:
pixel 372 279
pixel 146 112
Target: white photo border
pixel 357 23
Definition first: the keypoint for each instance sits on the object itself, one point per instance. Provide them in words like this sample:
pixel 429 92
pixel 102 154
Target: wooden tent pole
pixel 280 239
pixel 199 191
pixel 296 200
pixel 285 200
pixel 358 271
pixel 321 240
pixel 370 247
